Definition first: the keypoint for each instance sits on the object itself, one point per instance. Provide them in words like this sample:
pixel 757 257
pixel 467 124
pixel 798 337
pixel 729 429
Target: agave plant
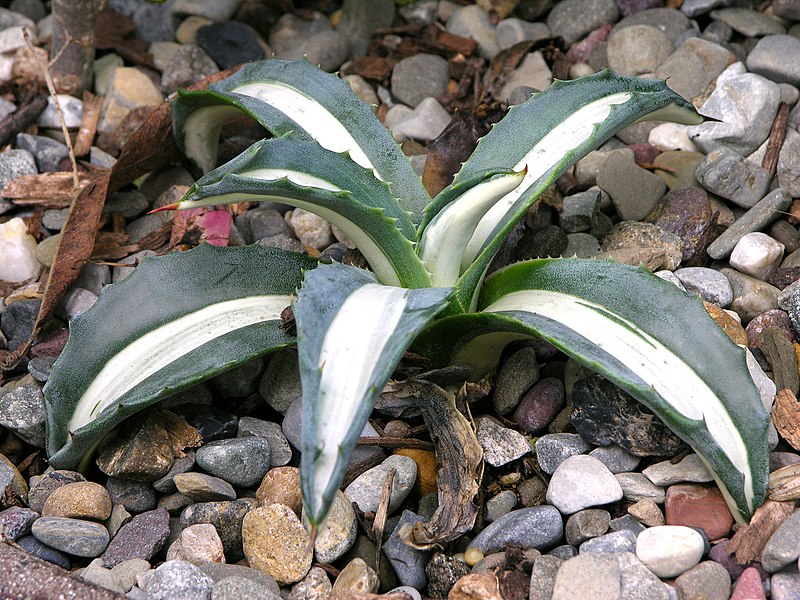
pixel 185 317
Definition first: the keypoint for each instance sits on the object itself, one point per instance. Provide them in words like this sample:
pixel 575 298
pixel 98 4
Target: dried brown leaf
pixel 450 149
pixel 784 483
pixel 45 189
pixel 786 417
pixel 459 457
pixel 749 541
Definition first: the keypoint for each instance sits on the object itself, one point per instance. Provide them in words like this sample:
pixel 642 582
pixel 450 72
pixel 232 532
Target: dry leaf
pixel 784 483
pixel 786 417
pixel 45 189
pixel 749 541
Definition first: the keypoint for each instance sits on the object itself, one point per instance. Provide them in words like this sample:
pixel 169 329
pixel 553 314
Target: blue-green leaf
pixel 644 334
pixel 351 333
pixel 286 96
pixel 546 135
pixel 175 321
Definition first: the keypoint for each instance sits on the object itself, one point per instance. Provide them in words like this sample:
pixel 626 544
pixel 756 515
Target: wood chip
pixel 781 356
pixel 91 115
pixel 51 190
pixel 784 483
pixel 776 136
pixel 379 524
pixel 786 417
pixel 749 541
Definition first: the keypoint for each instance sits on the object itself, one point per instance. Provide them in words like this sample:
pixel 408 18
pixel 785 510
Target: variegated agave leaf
pixel 545 136
pixel 645 335
pixel 286 96
pixel 351 333
pixel 305 175
pixel 175 321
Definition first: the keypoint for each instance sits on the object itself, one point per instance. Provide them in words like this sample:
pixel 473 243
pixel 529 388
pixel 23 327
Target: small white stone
pixel 671 136
pixel 756 254
pixel 425 122
pixel 579 70
pixel 669 550
pixel 71 107
pixel 12 39
pixel 17 248
pixel 582 481
pixel 312 230
pixel 690 469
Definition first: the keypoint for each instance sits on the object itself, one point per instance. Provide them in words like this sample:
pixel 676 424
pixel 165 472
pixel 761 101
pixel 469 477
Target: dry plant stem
pixel 380 516
pixel 73 44
pixel 396 442
pixel 91 116
pixel 458 454
pixel 75 181
pixel 776 137
pixel 21 118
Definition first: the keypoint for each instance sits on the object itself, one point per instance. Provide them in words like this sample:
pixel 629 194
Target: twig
pixel 21 118
pixel 396 442
pixel 776 136
pixel 88 129
pixel 379 523
pixel 52 88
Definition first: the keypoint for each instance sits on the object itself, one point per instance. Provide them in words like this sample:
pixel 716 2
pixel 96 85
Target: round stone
pixel 73 536
pixel 638 49
pixel 669 550
pixel 366 489
pixel 540 405
pixel 242 462
pixel 281 486
pixel 338 533
pixel 79 500
pixel 276 543
pixel 580 482
pixel 49 482
pixel 176 580
pixel 516 375
pixel 198 544
pixel 204 488
pixel 418 77
pixel 710 284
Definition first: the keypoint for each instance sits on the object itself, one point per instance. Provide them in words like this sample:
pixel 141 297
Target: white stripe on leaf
pixel 160 347
pixel 645 356
pixel 551 149
pixel 310 115
pixel 350 351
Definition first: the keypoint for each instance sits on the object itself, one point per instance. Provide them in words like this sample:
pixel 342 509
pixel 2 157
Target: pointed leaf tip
pixel 173 206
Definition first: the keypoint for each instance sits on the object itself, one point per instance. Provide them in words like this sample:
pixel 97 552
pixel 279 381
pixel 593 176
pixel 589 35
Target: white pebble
pixel 312 230
pixel 756 254
pixel 669 550
pixel 671 136
pixel 17 248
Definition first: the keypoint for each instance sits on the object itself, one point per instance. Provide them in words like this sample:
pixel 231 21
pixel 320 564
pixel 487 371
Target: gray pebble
pixel 280 384
pixel 615 458
pixel 776 57
pixel 616 541
pixel 638 49
pixel 636 486
pixel 418 77
pixel 543 575
pixel 15 163
pixel 185 464
pixel 626 523
pixel 582 481
pixel 47 152
pixel 782 548
pixel 516 375
pixel 710 284
pixel 22 411
pixel 638 583
pixel 204 488
pixel 588 575
pixel 425 122
pixel 73 536
pixel 729 175
pixel 706 580
pixel 280 451
pixel 242 462
pixel 580 211
pixel 552 449
pixel 751 296
pixel 135 496
pixel 748 22
pixel 189 64
pixel 499 505
pixel 633 190
pixel 44 552
pixel 365 490
pixel 689 469
pixel 762 214
pixel 585 525
pixel 744 105
pixel 668 20
pixel 408 563
pixel 326 49
pixel 359 18
pixel 693 66
pixel 501 445
pixel 176 580
pixel 473 22
pixel 789 163
pixel 539 527
pixel 511 31
pixel 237 588
pixel 573 19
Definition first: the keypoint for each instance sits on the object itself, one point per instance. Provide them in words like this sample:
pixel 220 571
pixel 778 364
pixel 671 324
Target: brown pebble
pixel 281 485
pixel 356 578
pixel 79 500
pixel 727 323
pixel 483 586
pixel 426 468
pixel 198 544
pixel 276 543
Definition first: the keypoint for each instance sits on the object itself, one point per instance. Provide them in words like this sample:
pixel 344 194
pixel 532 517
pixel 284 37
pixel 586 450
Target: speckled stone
pixel 242 462
pixel 79 500
pixel 276 543
pixel 74 536
pixel 227 517
pixel 501 445
pixel 141 538
pixel 539 527
pixel 580 482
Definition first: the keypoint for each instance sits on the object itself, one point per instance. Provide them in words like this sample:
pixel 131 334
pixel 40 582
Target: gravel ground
pixel 584 494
